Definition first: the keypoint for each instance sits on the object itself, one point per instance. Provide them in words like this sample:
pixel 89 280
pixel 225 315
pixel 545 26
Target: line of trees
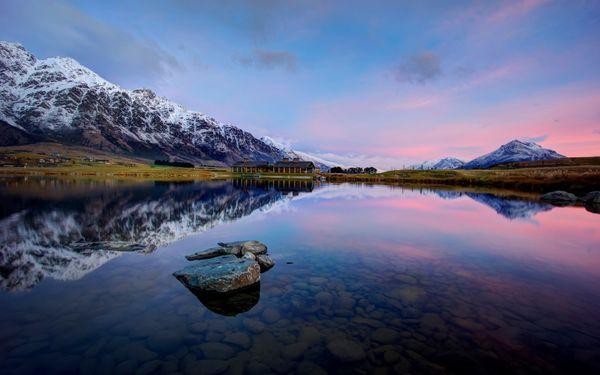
pixel 181 164
pixel 354 170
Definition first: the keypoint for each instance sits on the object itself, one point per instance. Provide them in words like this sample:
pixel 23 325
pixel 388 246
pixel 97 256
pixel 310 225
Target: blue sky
pixel 376 82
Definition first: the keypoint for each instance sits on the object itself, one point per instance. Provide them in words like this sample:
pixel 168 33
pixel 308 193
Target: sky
pixel 384 83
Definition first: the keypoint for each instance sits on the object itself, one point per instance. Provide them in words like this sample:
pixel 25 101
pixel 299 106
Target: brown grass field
pixel 577 179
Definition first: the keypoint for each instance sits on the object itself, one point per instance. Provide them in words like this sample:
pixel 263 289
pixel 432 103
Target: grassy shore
pixel 577 179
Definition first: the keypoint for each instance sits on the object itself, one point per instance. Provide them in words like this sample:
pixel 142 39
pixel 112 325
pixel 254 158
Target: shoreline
pixel 575 179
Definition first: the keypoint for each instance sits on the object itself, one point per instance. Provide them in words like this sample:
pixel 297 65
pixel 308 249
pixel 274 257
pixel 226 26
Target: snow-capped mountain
pixel 444 163
pixel 513 151
pixel 59 99
pixel 322 164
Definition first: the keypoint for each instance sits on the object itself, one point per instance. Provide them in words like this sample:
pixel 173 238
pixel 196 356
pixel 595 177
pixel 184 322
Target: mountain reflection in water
pixel 67 237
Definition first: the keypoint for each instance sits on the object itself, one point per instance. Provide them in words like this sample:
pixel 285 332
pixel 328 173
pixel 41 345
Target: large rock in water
pixel 558 197
pixel 220 275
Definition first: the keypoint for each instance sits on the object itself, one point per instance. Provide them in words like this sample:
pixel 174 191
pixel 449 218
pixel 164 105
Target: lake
pixel 368 279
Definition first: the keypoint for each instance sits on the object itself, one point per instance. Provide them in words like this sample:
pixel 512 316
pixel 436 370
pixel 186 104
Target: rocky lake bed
pixel 357 288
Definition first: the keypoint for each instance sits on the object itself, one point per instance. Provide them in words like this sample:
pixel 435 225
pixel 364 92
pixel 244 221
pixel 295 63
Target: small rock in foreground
pixel 243 247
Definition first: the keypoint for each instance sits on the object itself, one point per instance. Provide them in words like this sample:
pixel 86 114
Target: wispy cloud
pixel 419 68
pixel 268 59
pixel 113 53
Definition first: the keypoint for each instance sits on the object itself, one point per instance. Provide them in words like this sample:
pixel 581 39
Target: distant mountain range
pixel 57 99
pixel 513 151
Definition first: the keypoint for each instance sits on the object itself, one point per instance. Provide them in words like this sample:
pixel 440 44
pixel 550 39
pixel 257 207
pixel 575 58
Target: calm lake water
pixel 368 279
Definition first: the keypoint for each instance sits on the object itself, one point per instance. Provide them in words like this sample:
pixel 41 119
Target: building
pixel 294 166
pixel 285 166
pixel 250 166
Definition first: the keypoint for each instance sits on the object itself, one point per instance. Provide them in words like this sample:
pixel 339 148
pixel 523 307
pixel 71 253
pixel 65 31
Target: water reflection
pixel 509 207
pixel 369 279
pixel 67 238
pixel 230 304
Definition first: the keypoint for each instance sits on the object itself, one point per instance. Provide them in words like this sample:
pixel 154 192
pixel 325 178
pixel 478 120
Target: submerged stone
pixel 220 275
pixel 346 350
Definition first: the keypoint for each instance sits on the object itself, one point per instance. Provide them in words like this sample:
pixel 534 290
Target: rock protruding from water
pixel 220 275
pixel 240 248
pixel 265 262
pixel 206 254
pixel 593 197
pixel 561 198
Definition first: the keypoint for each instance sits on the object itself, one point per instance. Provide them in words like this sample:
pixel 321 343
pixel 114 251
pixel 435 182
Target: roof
pixel 251 163
pixel 294 164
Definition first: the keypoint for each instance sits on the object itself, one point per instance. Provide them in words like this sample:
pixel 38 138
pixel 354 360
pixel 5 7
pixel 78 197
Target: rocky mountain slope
pixel 59 99
pixel 513 151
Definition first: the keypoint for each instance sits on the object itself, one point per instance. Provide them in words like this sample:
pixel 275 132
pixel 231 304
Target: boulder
pixel 559 198
pixel 206 254
pixel 265 262
pixel 224 274
pixel 346 350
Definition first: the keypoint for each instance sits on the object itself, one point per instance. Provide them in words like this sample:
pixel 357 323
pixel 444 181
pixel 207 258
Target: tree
pixel 337 170
pixel 371 170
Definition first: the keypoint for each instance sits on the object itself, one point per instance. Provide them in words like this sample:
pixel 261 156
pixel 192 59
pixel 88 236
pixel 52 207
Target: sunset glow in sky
pixel 379 82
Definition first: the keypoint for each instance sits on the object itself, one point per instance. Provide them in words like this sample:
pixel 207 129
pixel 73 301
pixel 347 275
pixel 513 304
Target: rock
pixel 408 294
pixel 164 341
pixel 294 351
pixel 264 261
pixel 385 335
pixel 592 197
pixel 561 198
pixel 309 335
pixel 309 368
pixel 220 275
pixel 346 350
pixel 238 338
pixel 270 315
pixel 211 366
pixel 215 350
pixel 253 325
pixel 206 254
pixel 433 322
pixel 243 247
pixel 250 256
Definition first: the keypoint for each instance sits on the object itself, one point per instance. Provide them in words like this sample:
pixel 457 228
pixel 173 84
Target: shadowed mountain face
pixel 77 229
pixel 510 208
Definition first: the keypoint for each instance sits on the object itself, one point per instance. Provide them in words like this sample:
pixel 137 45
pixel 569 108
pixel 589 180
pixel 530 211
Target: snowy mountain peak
pixel 59 99
pixel 443 163
pixel 513 151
